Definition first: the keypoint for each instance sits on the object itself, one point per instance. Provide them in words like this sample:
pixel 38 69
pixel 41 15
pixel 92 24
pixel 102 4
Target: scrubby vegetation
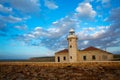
pixel 43 59
pixel 59 71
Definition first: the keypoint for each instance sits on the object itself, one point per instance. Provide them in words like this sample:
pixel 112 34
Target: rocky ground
pixel 46 71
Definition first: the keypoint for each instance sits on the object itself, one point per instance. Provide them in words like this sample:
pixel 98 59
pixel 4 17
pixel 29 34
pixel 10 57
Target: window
pixel 58 59
pixel 71 33
pixel 70 40
pixel 84 57
pixel 93 57
pixel 70 46
pixel 64 58
pixel 70 57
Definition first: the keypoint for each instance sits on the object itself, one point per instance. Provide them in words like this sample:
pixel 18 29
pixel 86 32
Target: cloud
pixel 21 27
pixel 3 29
pixel 105 1
pixel 10 19
pixel 50 4
pixel 60 27
pixel 85 11
pixel 5 9
pixel 17 12
pixel 114 29
pixel 115 22
pixel 55 37
pixel 52 37
pixel 86 42
pixel 88 0
pixel 114 17
pixel 7 21
pixel 91 33
pixel 97 37
pixel 103 36
pixel 26 6
pixel 2 25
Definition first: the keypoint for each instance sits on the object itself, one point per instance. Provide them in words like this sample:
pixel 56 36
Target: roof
pixel 91 48
pixel 62 51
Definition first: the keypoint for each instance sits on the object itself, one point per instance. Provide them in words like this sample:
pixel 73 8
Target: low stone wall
pixel 87 63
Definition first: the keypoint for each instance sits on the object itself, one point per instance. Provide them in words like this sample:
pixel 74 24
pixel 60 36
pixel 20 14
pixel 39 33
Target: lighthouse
pixel 72 46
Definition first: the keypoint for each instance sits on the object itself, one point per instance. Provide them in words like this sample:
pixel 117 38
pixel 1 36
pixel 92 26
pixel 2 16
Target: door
pixel 58 59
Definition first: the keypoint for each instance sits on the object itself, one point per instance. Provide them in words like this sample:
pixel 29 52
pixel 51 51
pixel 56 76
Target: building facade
pixel 72 54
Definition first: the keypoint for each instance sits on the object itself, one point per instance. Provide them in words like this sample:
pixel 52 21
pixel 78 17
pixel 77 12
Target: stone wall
pixel 61 56
pixel 99 56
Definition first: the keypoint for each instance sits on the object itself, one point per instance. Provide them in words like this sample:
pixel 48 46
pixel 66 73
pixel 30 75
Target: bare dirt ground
pixel 59 71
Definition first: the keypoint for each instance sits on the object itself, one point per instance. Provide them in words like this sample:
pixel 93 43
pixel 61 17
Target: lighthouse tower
pixel 72 46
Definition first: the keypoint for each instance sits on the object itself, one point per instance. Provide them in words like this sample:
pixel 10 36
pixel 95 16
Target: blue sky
pixel 34 28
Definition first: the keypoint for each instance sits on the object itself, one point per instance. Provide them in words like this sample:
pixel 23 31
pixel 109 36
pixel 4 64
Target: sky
pixel 36 28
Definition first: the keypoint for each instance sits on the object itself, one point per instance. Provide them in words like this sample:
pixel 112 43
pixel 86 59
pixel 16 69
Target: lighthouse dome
pixel 71 30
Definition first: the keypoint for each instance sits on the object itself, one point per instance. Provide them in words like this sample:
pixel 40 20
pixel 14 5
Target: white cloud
pixel 25 6
pixel 10 19
pixel 50 4
pixel 40 32
pixel 114 18
pixel 38 28
pixel 98 34
pixel 52 37
pixel 103 27
pixel 88 0
pixel 93 33
pixel 55 22
pixel 86 42
pixel 30 36
pixel 21 27
pixel 53 30
pixel 89 29
pixel 55 36
pixel 5 9
pixel 105 1
pixel 85 11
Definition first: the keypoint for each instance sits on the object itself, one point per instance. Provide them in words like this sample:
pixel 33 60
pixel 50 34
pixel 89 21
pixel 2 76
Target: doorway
pixel 58 59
